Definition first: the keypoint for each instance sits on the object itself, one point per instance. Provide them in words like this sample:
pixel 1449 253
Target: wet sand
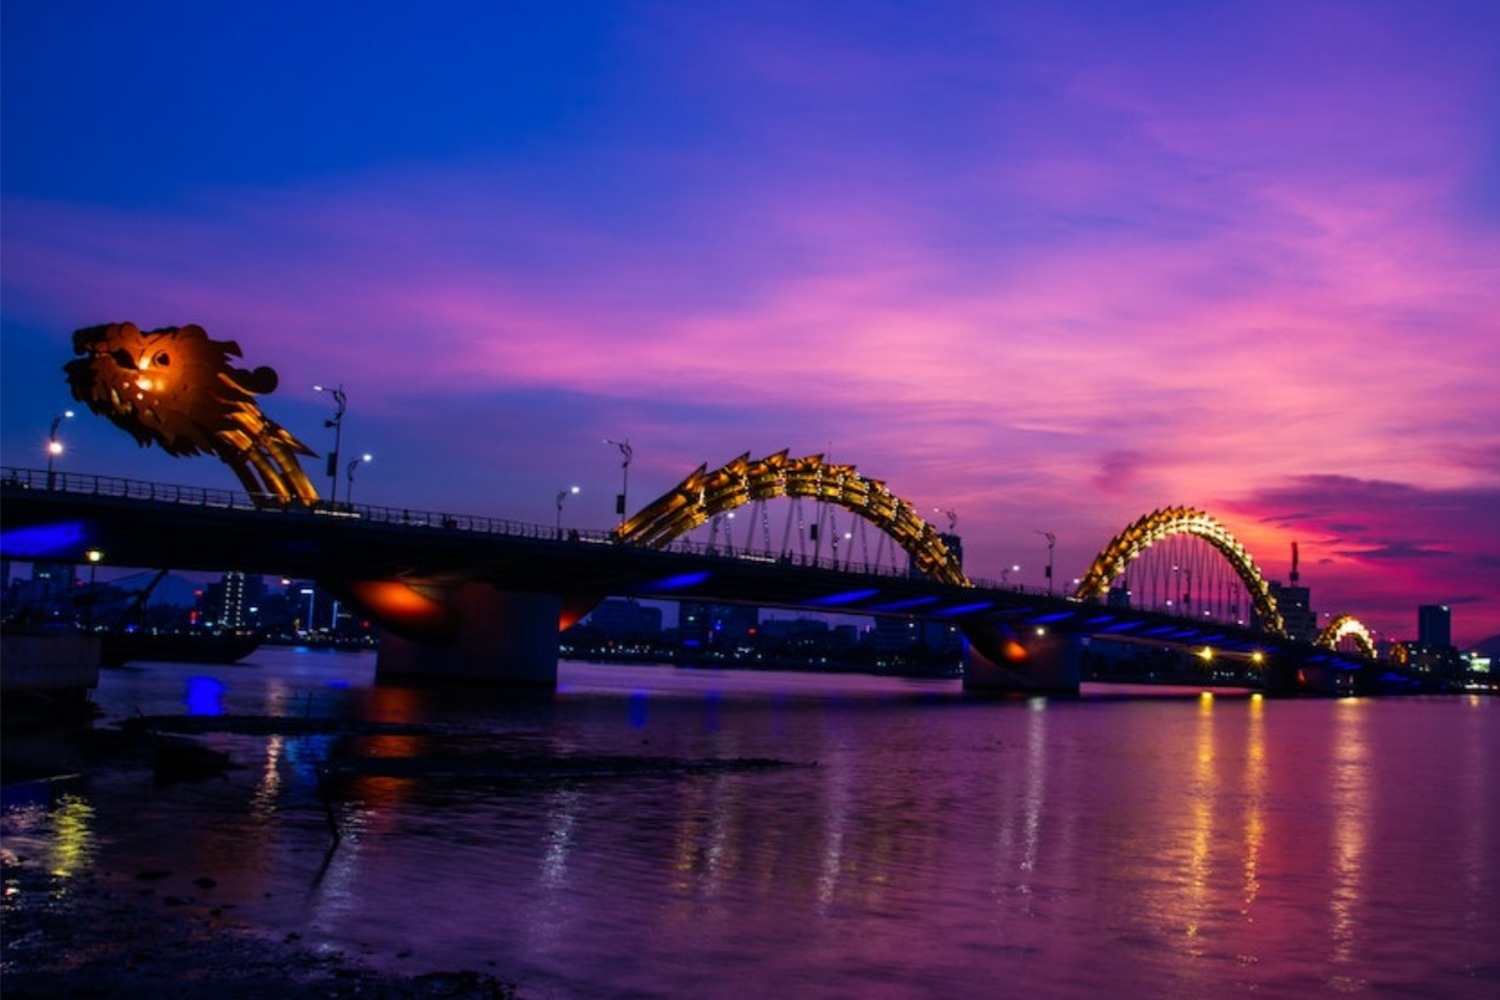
pixel 81 938
pixel 158 934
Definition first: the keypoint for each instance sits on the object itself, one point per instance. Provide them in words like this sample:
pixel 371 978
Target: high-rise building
pixel 226 602
pixel 1434 625
pixel 1295 604
pixel 1294 601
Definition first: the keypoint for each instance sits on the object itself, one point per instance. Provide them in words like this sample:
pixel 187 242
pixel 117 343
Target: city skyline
pixel 1047 267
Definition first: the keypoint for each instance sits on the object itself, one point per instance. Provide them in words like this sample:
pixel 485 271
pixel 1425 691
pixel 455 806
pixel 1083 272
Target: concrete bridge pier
pixel 1002 662
pixel 501 637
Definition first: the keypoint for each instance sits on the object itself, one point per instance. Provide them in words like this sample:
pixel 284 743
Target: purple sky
pixel 1048 265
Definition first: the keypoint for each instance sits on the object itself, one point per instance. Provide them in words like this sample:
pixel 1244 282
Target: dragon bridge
pixel 1160 524
pixel 705 494
pixel 1347 627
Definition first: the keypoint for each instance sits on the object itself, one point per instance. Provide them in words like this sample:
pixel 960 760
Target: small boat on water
pixel 132 640
pixel 195 645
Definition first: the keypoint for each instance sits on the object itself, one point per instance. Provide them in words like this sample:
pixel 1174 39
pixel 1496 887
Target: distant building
pixel 1421 658
pixel 890 635
pixel 1294 601
pixel 47 595
pixel 52 583
pixel 1434 625
pixel 224 602
pixel 716 624
pixel 1295 604
pixel 774 630
pixel 625 619
pixel 894 635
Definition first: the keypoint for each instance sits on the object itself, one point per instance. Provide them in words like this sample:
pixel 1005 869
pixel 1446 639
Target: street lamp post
pixel 626 453
pixel 54 446
pixel 94 555
pixel 561 496
pixel 1051 545
pixel 349 476
pixel 340 403
pixel 952 516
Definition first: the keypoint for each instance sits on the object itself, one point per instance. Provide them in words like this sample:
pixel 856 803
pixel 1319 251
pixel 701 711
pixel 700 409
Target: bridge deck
pixel 140 524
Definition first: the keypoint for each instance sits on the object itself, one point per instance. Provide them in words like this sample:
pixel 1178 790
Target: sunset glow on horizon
pixel 1046 265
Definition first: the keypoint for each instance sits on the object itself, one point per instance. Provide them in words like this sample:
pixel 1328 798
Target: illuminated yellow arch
pixel 705 494
pixel 1347 626
pixel 1152 528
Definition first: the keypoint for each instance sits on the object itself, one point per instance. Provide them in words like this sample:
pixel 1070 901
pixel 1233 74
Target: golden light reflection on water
pixel 1255 794
pixel 1216 841
pixel 268 788
pixel 72 846
pixel 1204 793
pixel 1351 807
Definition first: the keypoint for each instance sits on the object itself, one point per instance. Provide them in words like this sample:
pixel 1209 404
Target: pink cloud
pixel 1377 549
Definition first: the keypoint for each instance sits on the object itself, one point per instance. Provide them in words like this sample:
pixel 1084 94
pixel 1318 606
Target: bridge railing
pixel 129 489
pixel 405 517
pixel 199 496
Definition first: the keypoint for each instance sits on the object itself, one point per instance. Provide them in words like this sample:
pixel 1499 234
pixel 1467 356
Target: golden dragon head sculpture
pixel 176 388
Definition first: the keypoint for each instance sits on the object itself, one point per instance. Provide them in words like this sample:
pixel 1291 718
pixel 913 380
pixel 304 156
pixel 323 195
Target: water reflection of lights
pixel 1205 793
pixel 1255 791
pixel 831 862
pixel 60 831
pixel 73 836
pixel 562 814
pixel 268 788
pixel 1036 785
pixel 204 696
pixel 1019 831
pixel 337 886
pixel 1351 806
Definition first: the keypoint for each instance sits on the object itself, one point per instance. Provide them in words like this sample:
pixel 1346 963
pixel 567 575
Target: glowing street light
pixel 626 453
pixel 340 403
pixel 54 446
pixel 349 475
pixel 93 556
pixel 952 516
pixel 561 496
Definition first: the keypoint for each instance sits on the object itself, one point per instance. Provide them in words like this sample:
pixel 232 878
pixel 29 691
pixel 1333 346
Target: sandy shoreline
pixel 81 937
pixel 154 934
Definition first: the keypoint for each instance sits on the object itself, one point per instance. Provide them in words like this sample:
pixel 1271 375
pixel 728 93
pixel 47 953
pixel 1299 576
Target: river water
pixel 919 844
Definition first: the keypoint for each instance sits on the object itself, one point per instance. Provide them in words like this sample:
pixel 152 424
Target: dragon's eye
pixel 161 360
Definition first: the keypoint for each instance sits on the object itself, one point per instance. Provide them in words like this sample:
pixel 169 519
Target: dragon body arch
pixel 1159 524
pixel 704 494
